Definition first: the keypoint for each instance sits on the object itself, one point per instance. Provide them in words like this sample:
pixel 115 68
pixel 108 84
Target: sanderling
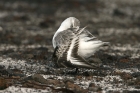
pixel 74 45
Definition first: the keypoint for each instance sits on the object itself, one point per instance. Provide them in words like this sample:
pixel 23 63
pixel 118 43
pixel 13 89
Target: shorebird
pixel 74 45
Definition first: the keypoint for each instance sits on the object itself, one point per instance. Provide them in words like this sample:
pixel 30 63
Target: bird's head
pixel 70 22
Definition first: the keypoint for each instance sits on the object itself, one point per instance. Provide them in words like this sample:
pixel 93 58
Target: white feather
pixel 87 46
pixel 67 23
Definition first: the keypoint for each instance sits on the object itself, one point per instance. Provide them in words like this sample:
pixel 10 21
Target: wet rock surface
pixel 26 31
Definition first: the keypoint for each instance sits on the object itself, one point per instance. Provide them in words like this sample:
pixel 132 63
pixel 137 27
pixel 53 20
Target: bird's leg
pixel 54 53
pixel 76 71
pixel 53 57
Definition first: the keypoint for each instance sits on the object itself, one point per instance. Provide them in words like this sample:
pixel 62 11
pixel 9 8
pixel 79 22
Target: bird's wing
pixel 89 37
pixel 64 38
pixel 76 59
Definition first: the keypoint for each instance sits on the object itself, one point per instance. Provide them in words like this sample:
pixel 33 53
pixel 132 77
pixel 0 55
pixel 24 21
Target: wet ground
pixel 26 31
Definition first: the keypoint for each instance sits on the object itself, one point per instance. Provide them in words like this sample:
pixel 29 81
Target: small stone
pixel 126 76
pixel 2 83
pixel 78 77
pixel 73 86
pixel 89 77
pixel 39 78
pixel 124 60
pixel 56 83
pixel 29 85
pixel 94 88
pixel 16 77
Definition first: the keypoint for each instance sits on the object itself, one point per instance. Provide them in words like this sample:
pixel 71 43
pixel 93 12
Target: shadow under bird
pixel 74 45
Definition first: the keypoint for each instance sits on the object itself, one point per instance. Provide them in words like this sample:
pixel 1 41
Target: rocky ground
pixel 26 31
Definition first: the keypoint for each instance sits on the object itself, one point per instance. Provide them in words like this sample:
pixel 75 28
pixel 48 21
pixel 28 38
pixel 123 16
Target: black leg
pixel 76 71
pixel 54 53
pixel 54 57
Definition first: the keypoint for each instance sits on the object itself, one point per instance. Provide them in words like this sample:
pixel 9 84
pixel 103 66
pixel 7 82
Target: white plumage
pixel 74 44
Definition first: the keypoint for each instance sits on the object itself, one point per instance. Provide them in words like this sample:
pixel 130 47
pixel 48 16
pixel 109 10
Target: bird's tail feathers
pixel 106 43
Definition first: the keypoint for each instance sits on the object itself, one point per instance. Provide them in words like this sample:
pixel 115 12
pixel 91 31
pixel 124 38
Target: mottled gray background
pixel 26 31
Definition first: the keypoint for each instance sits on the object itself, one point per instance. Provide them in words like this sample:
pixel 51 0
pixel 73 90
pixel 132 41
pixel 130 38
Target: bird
pixel 73 45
